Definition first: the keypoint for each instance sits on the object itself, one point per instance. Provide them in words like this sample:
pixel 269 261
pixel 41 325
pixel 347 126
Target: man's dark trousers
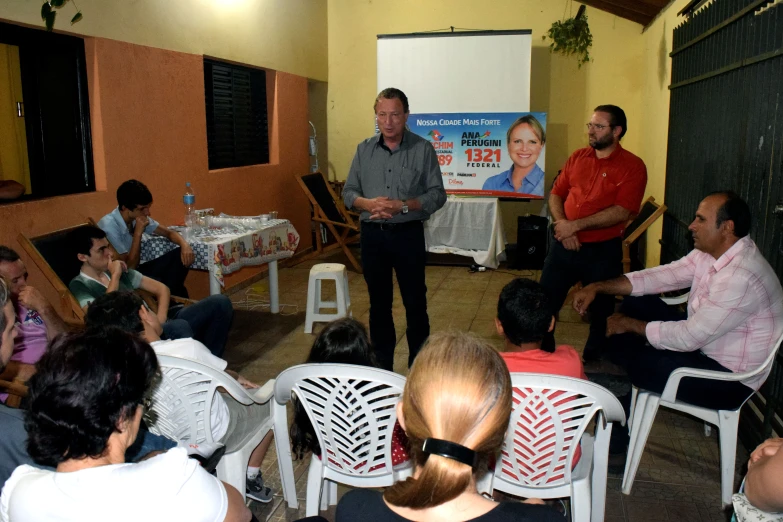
pixel 593 262
pixel 649 368
pixel 401 248
pixel 169 270
pixel 208 321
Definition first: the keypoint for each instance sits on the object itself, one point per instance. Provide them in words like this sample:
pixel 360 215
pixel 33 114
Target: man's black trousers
pixel 169 270
pixel 650 368
pixel 591 263
pixel 399 248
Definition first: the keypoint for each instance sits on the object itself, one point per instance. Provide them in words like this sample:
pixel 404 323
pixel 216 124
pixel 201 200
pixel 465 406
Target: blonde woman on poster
pixel 525 140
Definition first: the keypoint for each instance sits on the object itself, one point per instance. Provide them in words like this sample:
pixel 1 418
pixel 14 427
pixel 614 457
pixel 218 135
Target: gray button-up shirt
pixel 410 172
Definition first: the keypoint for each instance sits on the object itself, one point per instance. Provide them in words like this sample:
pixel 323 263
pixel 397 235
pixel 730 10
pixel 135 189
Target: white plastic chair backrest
pixel 670 391
pixel 182 399
pixel 680 299
pixel 353 412
pixel 549 415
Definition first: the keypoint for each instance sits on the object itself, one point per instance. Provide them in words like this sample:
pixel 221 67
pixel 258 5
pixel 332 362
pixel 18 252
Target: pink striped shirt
pixel 735 309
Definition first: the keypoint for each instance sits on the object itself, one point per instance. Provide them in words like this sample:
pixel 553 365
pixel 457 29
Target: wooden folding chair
pixel 649 212
pixel 12 382
pixel 51 253
pixel 329 210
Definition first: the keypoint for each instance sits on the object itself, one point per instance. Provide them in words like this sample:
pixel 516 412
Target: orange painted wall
pixel 149 123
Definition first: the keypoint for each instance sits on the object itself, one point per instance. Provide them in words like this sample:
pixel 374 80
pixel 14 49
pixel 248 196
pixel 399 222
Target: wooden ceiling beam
pixel 622 12
pixel 658 4
pixel 644 8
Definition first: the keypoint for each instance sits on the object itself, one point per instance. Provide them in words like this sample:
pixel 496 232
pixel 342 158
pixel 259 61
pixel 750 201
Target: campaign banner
pixel 487 154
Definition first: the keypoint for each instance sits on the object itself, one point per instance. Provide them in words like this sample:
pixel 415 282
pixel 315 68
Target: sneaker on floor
pixel 256 490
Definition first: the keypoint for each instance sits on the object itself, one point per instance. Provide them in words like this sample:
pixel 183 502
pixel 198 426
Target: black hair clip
pixel 450 450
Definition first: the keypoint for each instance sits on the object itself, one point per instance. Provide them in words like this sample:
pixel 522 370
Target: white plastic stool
pixel 329 271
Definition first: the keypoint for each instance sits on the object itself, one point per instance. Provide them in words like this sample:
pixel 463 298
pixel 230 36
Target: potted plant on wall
pixel 49 12
pixel 571 37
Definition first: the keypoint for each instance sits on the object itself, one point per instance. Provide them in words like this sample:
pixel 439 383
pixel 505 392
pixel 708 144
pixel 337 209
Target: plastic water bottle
pixel 189 199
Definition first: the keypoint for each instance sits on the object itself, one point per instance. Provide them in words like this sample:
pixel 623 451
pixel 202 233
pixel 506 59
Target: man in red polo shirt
pixel 599 189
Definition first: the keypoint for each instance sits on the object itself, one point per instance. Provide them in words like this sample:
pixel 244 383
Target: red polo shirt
pixel 589 185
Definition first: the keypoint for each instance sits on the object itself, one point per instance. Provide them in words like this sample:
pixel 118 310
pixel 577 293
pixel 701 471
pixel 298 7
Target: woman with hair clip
pixel 455 410
pixel 343 341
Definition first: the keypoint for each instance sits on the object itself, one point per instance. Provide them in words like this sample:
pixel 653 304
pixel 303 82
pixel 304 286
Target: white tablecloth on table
pixel 471 227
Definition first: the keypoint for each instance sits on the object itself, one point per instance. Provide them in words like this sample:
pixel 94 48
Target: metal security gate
pixel 726 132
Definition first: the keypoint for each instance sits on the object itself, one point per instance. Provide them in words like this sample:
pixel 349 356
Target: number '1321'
pixel 485 155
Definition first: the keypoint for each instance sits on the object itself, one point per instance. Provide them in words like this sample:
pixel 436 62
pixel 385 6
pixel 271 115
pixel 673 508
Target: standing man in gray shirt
pixel 395 181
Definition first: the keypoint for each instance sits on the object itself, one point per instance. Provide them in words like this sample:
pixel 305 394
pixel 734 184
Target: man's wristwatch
pixel 404 207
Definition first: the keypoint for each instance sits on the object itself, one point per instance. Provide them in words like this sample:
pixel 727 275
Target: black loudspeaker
pixel 531 242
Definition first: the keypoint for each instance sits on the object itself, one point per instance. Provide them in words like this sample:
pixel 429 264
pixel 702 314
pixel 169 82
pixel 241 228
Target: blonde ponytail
pixel 458 390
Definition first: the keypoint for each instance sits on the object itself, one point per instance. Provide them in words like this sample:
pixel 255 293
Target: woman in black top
pixel 455 410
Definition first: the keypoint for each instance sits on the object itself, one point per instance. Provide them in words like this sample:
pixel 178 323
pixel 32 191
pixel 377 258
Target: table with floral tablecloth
pixel 230 244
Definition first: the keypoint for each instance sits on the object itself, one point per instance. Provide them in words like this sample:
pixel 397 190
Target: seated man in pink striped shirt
pixel 735 310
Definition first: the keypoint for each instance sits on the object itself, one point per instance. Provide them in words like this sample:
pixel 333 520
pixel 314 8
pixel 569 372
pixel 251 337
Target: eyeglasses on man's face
pixel 597 126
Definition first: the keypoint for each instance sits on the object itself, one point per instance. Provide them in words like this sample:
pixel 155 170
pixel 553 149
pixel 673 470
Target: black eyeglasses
pixel 597 126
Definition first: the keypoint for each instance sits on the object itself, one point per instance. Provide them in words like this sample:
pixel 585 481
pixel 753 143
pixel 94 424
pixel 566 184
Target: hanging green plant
pixel 571 37
pixel 49 12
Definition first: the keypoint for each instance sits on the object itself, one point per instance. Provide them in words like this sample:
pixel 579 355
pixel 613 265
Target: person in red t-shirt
pixel 523 320
pixel 599 189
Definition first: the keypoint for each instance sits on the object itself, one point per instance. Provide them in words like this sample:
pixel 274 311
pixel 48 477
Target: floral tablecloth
pixel 225 249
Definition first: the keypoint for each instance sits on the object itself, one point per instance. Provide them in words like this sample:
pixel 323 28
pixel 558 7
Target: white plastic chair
pixel 352 409
pixel 674 301
pixel 182 404
pixel 677 300
pixel 644 405
pixel 549 417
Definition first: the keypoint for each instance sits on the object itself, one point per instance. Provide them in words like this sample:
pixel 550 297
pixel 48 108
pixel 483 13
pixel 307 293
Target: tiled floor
pixel 679 476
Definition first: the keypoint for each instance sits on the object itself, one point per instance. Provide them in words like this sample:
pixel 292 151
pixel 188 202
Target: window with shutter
pixel 45 140
pixel 237 127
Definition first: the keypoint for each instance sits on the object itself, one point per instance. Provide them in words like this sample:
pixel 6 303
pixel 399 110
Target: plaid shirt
pixel 735 309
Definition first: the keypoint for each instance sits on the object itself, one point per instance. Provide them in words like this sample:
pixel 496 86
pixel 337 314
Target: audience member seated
pixel 85 409
pixel 38 321
pixel 208 320
pixel 735 312
pixel 455 410
pixel 126 311
pixel 13 438
pixel 524 318
pixel 13 435
pixel 10 189
pixel 124 227
pixel 761 496
pixel 344 341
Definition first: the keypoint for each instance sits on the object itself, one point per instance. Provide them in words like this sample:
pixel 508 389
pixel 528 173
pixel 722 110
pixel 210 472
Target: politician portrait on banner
pixel 494 154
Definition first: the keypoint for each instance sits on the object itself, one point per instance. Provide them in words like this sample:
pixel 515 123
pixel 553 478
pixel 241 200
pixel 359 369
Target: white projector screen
pixel 469 95
pixel 477 71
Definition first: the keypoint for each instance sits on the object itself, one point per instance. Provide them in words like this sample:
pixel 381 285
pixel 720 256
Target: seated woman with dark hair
pixel 85 408
pixel 455 410
pixel 344 341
